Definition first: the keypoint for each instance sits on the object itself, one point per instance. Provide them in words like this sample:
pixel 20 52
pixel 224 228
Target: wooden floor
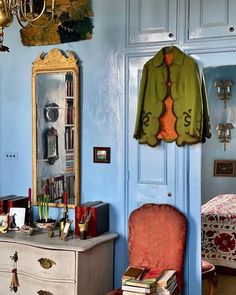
pixel 226 286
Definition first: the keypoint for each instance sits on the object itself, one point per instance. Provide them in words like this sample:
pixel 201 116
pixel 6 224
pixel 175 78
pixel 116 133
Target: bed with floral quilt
pixel 219 230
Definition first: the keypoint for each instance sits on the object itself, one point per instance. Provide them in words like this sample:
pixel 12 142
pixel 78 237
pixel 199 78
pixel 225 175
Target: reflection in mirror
pixel 55 128
pixel 219 183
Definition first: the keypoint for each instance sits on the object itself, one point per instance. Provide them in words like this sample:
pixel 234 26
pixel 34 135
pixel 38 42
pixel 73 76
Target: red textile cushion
pixel 157 236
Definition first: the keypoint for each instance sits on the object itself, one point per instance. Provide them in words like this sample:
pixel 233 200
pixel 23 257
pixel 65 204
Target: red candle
pixel 46 189
pixel 29 194
pixel 65 198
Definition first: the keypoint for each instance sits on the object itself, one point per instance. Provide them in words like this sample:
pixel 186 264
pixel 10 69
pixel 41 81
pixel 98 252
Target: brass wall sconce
pixel 223 89
pixel 224 133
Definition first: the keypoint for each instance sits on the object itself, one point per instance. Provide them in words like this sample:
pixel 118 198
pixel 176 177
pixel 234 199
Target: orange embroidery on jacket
pixel 168 119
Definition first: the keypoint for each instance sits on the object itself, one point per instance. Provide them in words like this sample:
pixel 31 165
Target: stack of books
pixel 138 281
pixel 167 283
pixel 9 201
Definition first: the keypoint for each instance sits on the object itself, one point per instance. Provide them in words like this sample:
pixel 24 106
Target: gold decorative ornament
pixel 28 13
pixel 46 263
pixel 3 221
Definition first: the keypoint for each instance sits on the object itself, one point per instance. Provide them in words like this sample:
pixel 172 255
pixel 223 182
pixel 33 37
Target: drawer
pixel 32 286
pixel 40 262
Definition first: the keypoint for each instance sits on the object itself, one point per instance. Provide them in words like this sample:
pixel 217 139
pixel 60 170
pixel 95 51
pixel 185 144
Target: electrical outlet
pixel 11 156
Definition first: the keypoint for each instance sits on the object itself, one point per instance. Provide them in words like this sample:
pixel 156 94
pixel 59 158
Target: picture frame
pixel 102 155
pixel 226 168
pixel 4 220
pixel 17 218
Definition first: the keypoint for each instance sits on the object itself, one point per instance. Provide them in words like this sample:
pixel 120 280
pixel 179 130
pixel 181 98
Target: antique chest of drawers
pixel 49 266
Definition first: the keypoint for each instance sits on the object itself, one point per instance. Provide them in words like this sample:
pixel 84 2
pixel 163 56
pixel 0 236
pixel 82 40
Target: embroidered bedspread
pixel 219 230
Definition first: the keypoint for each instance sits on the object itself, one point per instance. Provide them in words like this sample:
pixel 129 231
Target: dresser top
pixel 41 239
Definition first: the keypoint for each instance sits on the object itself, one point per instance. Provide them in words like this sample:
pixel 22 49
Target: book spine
pixel 1 207
pixel 93 222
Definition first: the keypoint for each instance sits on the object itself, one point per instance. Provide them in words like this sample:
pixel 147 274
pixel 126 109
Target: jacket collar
pixel 178 57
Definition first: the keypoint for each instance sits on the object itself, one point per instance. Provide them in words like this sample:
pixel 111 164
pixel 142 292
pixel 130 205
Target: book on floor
pixel 166 278
pixel 134 272
pixel 139 290
pixel 145 283
pixel 167 290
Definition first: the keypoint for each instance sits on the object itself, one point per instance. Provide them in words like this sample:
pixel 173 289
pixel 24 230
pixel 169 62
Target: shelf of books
pixel 140 281
pixel 69 124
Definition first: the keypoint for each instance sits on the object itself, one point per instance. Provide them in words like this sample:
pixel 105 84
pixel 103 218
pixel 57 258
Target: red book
pixel 19 202
pixel 3 203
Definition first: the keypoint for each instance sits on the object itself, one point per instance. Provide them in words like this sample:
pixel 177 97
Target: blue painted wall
pixel 101 95
pixel 103 81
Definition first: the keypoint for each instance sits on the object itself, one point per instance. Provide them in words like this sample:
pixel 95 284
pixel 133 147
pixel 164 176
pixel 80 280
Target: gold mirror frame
pixel 55 61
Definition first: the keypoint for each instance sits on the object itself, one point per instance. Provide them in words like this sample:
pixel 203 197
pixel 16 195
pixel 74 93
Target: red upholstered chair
pixel 209 274
pixel 157 234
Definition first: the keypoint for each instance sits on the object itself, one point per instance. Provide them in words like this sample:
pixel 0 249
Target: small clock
pixel 52 112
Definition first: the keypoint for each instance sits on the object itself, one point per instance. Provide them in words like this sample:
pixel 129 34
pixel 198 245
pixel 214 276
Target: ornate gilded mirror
pixel 55 110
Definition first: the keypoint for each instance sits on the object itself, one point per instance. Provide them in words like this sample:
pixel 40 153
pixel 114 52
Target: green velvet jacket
pixel 188 94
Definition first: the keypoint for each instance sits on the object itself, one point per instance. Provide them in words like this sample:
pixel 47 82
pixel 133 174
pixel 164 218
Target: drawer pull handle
pixel 42 292
pixel 14 257
pixel 46 262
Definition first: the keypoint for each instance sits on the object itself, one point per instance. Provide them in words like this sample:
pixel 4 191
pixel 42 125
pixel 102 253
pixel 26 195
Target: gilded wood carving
pixel 72 22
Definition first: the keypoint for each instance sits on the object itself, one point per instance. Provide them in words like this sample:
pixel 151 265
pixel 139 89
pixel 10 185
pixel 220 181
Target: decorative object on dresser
pixel 3 223
pixel 50 266
pixel 56 124
pixel 99 220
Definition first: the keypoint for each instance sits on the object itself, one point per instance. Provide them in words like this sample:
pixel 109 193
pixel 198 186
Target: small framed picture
pixel 4 222
pixel 17 218
pixel 225 168
pixel 101 155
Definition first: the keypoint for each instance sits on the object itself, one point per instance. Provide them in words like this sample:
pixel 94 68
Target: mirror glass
pixel 56 128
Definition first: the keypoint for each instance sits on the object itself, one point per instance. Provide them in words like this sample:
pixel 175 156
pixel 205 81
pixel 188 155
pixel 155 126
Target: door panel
pixel 211 18
pixel 151 170
pixel 151 21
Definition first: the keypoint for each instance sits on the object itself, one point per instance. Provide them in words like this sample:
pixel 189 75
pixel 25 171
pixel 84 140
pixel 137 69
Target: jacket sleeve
pixel 138 124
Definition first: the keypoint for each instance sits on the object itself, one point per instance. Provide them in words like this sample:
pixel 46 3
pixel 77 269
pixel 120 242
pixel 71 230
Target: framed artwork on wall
pixel 101 155
pixel 225 168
